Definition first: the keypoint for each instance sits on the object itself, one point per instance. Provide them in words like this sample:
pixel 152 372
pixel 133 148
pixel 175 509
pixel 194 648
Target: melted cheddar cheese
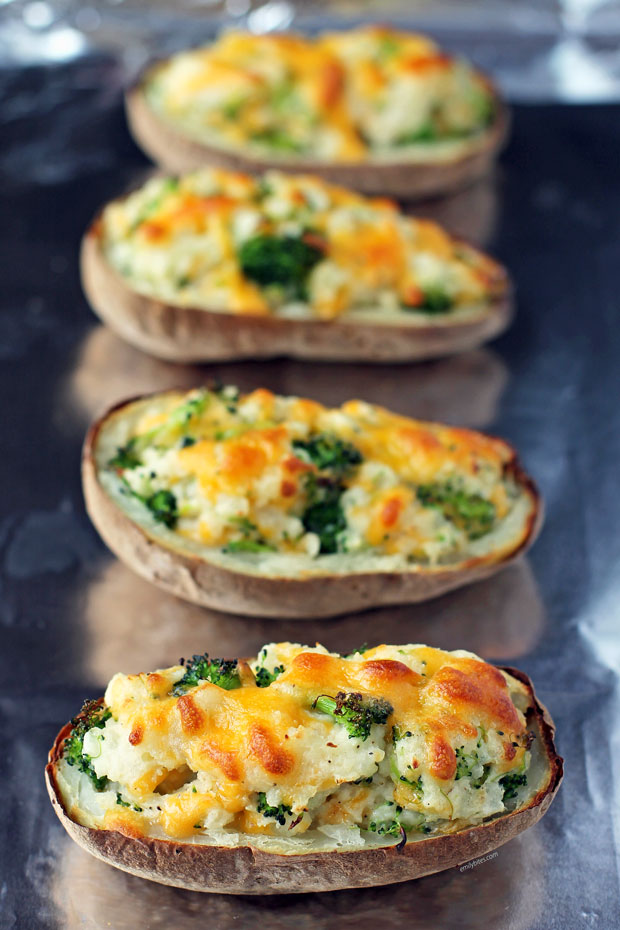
pixel 261 477
pixel 341 97
pixel 259 755
pixel 292 246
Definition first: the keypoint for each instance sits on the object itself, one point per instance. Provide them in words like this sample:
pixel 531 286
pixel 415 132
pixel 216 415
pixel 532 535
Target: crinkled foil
pixel 71 615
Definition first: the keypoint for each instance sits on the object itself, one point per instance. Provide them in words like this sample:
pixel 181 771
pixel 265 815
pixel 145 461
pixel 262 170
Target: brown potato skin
pixel 404 180
pixel 246 870
pixel 187 334
pixel 201 582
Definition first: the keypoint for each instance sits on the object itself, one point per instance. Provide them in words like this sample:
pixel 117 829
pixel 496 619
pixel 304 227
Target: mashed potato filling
pixel 383 744
pixel 259 476
pixel 291 246
pixel 341 97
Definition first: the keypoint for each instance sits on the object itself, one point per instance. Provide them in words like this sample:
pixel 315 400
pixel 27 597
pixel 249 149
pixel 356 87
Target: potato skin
pixel 187 334
pixel 247 870
pixel 197 580
pixel 173 151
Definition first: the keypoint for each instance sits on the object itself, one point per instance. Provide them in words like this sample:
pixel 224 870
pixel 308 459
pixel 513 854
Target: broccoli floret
pixel 324 514
pixel 465 763
pixel 354 712
pixel 221 672
pixel 126 456
pixel 435 301
pixel 163 506
pixel 469 512
pixel 91 715
pixel 387 828
pixel 328 453
pixel 285 261
pixel 247 545
pixel 511 784
pixel 279 813
pixel 279 140
pixel 264 677
pixel 186 411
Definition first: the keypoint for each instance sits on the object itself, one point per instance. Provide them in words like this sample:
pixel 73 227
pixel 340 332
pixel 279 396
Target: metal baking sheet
pixel 71 615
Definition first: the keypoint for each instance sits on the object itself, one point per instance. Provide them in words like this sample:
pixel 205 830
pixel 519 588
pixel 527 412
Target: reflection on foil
pixel 89 893
pixel 469 214
pixel 19 43
pixel 464 390
pixel 131 626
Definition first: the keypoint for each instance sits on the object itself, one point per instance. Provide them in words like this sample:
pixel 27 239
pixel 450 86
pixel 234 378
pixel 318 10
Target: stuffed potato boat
pixel 303 770
pixel 278 506
pixel 219 265
pixel 385 111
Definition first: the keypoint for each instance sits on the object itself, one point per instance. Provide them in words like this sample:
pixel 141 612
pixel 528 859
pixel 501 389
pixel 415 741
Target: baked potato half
pixel 386 112
pixel 303 770
pixel 280 507
pixel 218 265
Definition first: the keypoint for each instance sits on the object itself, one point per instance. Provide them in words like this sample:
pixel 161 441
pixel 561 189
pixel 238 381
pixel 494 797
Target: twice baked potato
pixel 280 507
pixel 385 111
pixel 303 770
pixel 218 265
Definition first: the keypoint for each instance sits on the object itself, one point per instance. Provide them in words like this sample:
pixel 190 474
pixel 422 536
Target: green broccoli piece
pixel 426 133
pixel 163 506
pixel 188 410
pixel 511 784
pixel 435 301
pixel 247 545
pixel 415 783
pixel 264 677
pixel 387 828
pixel 279 813
pixel 279 140
pixel 251 540
pixel 126 457
pixel 285 261
pixel 469 512
pixel 328 453
pixel 221 672
pixel 324 514
pixel 465 763
pixel 359 651
pixel 355 713
pixel 93 714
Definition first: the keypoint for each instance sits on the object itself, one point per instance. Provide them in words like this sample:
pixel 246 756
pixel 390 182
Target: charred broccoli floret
pixel 93 714
pixel 264 677
pixel 221 672
pixel 470 512
pixel 279 813
pixel 354 712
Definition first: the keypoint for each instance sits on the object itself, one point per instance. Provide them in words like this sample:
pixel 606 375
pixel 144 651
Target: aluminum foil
pixel 71 615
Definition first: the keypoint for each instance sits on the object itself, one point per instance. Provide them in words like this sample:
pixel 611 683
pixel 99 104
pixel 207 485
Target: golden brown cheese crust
pixel 231 870
pixel 230 465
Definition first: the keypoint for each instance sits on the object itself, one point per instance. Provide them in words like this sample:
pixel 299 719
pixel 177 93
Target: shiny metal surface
pixel 70 615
